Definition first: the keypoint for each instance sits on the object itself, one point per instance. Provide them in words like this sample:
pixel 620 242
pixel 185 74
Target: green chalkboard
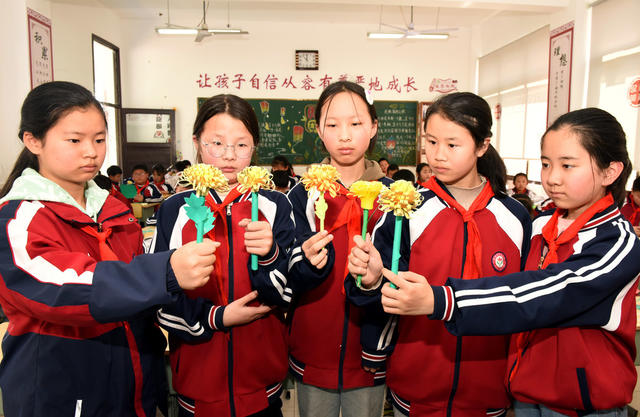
pixel 397 131
pixel 288 127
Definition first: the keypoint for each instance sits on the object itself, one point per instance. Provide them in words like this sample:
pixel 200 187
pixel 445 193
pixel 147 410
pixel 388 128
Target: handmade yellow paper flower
pixel 401 198
pixel 254 178
pixel 366 191
pixel 323 178
pixel 203 177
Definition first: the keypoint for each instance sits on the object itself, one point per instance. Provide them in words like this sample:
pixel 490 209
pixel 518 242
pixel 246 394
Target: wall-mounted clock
pixel 307 60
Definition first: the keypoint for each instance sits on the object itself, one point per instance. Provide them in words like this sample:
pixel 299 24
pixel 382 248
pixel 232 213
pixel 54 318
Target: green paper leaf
pixel 199 213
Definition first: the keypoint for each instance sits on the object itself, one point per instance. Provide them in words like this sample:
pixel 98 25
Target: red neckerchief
pixel 142 187
pixel 351 215
pixel 636 209
pixel 106 254
pixel 553 241
pixel 473 261
pixel 550 230
pixel 219 211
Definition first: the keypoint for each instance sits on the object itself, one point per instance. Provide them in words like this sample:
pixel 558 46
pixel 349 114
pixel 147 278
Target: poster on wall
pixel 40 51
pixel 560 56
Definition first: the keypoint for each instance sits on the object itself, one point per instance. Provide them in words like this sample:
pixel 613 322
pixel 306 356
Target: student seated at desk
pixel 158 190
pixel 106 184
pixel 139 178
pixel 114 172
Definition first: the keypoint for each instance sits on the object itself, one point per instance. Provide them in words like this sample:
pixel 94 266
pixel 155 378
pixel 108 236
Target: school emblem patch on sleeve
pixel 499 261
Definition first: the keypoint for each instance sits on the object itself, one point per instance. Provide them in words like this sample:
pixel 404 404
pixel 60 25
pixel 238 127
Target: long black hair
pixel 41 110
pixel 474 114
pixel 348 87
pixel 603 138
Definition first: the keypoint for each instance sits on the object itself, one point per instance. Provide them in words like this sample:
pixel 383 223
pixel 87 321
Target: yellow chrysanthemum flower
pixel 366 191
pixel 323 178
pixel 401 198
pixel 253 178
pixel 204 177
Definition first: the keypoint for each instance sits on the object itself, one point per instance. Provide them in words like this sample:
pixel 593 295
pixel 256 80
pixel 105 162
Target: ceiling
pixel 458 13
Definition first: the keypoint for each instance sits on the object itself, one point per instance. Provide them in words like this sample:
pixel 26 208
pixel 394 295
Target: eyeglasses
pixel 217 149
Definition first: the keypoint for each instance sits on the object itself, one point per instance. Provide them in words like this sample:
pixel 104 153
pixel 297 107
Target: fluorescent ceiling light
pixel 429 36
pixel 382 35
pixel 620 54
pixel 194 31
pixel 176 31
pixel 395 35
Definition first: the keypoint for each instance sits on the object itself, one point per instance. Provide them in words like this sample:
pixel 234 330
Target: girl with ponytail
pixel 466 227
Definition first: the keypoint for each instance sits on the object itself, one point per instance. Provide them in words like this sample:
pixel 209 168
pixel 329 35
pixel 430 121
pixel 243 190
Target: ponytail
pixel 491 166
pixel 25 160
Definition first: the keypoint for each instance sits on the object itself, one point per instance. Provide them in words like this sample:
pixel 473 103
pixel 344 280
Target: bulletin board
pixel 288 128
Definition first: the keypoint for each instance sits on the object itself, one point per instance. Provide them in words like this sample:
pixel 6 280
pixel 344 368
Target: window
pixel 513 80
pixel 106 87
pixel 614 72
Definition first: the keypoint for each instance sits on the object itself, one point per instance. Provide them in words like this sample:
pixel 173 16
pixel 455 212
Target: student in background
pixel 281 163
pixel 573 308
pixel 466 226
pixel 424 172
pixel 392 169
pixel 158 189
pixel 520 183
pixel 325 349
pixel 281 181
pixel 228 347
pixel 114 172
pixel 527 203
pixel 106 184
pixel 139 178
pixel 182 185
pixel 79 294
pixel 631 208
pixel 404 174
pixel 384 165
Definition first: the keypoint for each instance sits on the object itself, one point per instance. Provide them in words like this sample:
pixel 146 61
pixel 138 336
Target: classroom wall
pixel 13 88
pixel 163 71
pixel 505 28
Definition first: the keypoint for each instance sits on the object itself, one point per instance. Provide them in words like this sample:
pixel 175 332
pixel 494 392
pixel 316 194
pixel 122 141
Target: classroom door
pixel 148 138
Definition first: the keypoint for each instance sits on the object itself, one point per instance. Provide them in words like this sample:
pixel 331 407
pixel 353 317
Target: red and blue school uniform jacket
pixel 581 357
pixel 81 338
pixel 237 371
pixel 431 372
pixel 631 211
pixel 325 349
pixel 154 191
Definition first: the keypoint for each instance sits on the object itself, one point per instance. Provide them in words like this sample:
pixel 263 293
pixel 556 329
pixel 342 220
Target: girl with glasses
pixel 228 350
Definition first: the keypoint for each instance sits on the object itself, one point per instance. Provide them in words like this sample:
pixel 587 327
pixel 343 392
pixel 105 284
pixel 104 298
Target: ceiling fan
pixel 409 31
pixel 201 30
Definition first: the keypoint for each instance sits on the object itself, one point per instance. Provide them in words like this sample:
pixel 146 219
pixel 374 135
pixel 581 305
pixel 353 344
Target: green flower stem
pixel 395 255
pixel 199 231
pixel 365 220
pixel 254 218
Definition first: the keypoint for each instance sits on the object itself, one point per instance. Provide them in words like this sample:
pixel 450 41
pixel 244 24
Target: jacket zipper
pixel 230 298
pixel 343 346
pixel 456 369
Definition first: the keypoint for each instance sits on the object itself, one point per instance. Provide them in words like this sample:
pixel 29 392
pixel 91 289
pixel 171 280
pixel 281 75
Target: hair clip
pixel 369 97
